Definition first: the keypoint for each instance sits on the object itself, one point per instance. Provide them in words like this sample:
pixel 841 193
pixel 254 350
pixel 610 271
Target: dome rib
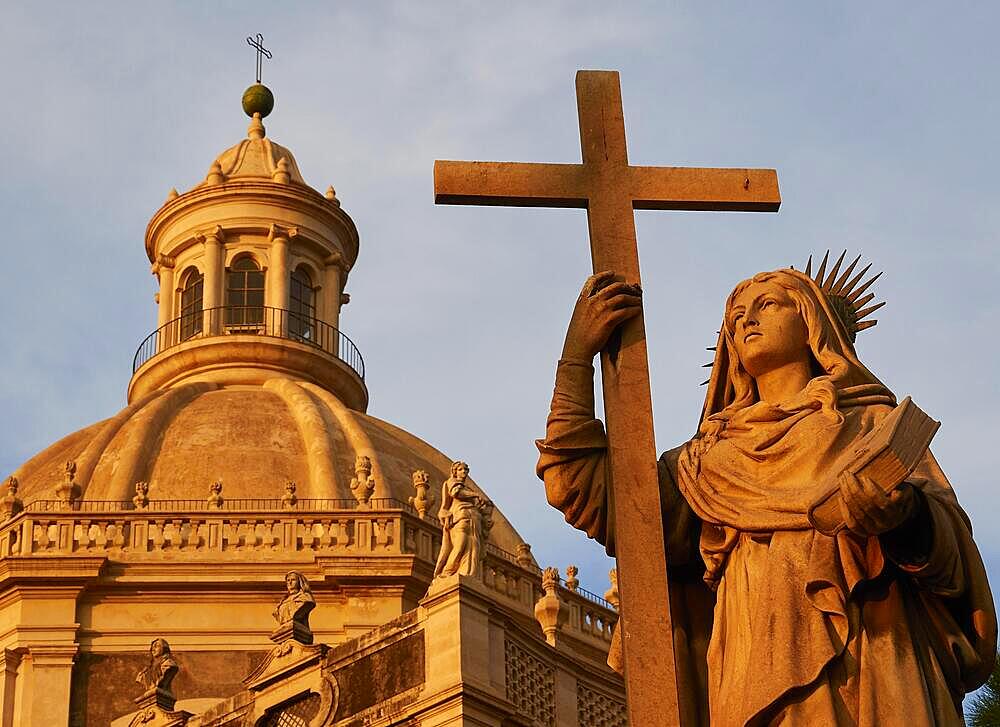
pixel 357 438
pixel 308 417
pixel 255 158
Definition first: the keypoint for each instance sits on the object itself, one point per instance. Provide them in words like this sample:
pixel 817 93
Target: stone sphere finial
pixel 258 99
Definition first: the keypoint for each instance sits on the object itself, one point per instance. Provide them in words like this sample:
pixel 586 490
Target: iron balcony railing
pixel 250 320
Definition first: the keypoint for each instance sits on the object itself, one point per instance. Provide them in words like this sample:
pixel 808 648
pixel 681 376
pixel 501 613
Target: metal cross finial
pixel 258 43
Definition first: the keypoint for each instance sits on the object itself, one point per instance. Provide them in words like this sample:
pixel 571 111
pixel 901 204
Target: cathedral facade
pixel 154 565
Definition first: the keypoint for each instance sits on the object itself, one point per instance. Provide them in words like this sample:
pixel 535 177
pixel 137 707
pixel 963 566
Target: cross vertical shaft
pixel 609 189
pixel 647 631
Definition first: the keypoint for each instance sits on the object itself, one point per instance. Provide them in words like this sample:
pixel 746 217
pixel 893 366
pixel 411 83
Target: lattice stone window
pixel 298 712
pixel 530 684
pixel 597 710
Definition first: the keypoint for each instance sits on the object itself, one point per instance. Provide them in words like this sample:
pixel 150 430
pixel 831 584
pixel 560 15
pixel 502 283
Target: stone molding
pixel 248 359
pixel 303 203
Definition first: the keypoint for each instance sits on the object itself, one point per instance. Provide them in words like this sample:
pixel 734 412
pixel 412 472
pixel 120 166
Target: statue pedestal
pixel 155 709
pixel 156 697
pixel 292 631
pixel 294 651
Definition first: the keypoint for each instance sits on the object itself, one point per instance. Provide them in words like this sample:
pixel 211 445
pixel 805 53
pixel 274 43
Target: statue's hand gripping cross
pixel 609 189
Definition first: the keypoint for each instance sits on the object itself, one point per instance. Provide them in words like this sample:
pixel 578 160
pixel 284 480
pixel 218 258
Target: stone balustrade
pixel 385 528
pixel 129 534
pixel 591 618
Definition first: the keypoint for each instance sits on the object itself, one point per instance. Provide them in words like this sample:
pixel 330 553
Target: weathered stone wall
pixel 380 676
pixel 103 685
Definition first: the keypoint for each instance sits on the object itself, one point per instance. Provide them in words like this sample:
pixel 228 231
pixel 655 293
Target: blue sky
pixel 880 119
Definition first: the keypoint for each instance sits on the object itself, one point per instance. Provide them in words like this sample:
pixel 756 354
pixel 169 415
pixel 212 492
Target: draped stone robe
pixel 805 629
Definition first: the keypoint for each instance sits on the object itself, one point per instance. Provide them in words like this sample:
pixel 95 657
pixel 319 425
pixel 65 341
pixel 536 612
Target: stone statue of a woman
pixel 889 620
pixel 292 612
pixel 465 520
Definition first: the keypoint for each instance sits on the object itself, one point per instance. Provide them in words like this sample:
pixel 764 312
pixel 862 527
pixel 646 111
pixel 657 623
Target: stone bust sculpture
pixel 297 603
pixel 161 669
pixel 780 623
pixel 465 520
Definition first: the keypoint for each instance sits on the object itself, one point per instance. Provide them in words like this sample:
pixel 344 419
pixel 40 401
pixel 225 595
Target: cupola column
pixel 163 268
pixel 277 291
pixel 212 295
pixel 331 289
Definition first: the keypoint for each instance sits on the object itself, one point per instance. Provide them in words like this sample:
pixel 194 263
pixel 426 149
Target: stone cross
pixel 610 189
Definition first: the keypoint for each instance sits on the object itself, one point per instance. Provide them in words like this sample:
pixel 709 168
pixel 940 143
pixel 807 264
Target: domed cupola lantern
pixel 252 264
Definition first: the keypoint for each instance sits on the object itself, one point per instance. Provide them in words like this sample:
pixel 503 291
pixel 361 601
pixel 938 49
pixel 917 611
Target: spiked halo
pixel 846 294
pixel 847 298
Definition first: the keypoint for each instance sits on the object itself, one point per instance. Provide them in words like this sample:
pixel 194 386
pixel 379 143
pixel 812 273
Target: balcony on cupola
pixel 251 264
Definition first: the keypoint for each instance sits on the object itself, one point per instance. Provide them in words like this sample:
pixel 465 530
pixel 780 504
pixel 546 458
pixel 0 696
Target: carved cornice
pixel 53 655
pixel 56 573
pixel 302 200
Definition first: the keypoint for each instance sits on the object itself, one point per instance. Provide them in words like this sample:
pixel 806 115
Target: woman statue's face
pixel 768 329
pixel 292 583
pixel 156 648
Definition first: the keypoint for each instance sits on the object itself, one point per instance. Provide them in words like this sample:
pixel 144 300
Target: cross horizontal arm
pixel 510 184
pixel 691 188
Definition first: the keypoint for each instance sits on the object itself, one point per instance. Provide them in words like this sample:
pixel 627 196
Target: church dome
pixel 253 439
pixel 248 379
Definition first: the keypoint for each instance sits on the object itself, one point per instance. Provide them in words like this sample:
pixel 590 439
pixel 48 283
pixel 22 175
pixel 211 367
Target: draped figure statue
pixel 775 623
pixel 466 519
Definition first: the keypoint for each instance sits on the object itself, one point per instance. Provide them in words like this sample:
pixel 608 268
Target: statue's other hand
pixel 603 305
pixel 868 510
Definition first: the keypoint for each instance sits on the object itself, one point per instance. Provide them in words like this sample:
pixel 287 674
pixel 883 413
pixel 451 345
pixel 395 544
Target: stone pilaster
pixel 46 693
pixel 42 595
pixel 9 663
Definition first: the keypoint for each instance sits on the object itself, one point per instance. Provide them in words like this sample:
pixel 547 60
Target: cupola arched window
pixel 192 289
pixel 244 293
pixel 302 306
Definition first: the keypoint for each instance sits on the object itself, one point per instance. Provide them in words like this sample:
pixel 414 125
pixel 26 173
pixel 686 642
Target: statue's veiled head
pixel 296 582
pixel 766 322
pixel 774 318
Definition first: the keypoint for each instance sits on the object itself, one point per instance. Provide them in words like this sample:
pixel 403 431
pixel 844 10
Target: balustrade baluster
pixel 343 534
pixel 156 535
pixel 81 534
